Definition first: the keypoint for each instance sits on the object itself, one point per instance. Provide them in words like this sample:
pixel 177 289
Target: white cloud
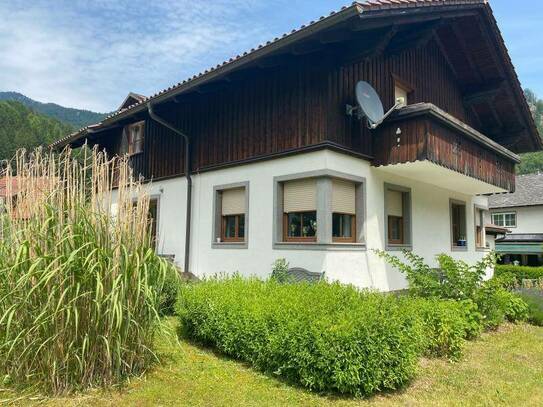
pixel 90 54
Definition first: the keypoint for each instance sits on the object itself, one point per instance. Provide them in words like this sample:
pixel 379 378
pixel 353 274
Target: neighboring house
pixel 522 213
pixel 21 193
pixel 278 169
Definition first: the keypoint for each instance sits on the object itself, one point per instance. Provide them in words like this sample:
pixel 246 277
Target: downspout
pixel 169 126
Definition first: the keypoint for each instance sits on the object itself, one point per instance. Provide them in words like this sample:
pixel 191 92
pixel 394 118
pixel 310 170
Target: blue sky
pixel 90 54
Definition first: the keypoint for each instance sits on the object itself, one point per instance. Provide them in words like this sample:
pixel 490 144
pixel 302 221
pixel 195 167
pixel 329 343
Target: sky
pixel 90 53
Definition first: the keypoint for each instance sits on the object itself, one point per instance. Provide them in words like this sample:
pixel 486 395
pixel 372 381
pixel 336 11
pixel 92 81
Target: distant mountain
pixel 75 117
pixel 22 127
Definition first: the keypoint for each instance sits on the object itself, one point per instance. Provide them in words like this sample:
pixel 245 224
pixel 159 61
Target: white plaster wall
pixel 529 219
pixel 430 222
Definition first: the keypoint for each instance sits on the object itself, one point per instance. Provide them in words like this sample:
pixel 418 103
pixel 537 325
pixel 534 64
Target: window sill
pixel 459 248
pixel 483 249
pixel 398 247
pixel 229 245
pixel 335 246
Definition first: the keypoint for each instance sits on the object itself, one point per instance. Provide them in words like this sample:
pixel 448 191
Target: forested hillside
pixel 76 117
pixel 23 127
pixel 533 162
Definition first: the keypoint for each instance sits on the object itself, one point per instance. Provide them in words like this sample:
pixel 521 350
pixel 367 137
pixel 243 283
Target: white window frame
pixel 502 214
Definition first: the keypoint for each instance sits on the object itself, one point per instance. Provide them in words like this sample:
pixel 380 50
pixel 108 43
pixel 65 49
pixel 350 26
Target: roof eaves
pixel 240 60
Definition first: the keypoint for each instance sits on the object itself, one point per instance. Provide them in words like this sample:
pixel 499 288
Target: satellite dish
pixel 370 105
pixel 369 102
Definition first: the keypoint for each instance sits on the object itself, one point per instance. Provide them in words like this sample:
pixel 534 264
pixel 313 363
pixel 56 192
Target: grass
pixel 504 367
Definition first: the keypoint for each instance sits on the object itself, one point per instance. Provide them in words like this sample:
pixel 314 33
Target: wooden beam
pixel 443 50
pixel 367 46
pixel 485 93
pixel 334 36
pixel 371 22
pixel 306 47
pixel 417 37
pixel 465 51
pixel 274 60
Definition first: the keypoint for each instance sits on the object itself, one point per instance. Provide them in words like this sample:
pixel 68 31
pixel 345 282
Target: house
pixel 272 165
pixel 521 212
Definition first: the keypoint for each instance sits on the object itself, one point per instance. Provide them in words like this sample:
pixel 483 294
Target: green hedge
pixel 521 272
pixel 534 298
pixel 326 337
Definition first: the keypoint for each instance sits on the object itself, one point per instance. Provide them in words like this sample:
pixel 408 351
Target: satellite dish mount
pixel 370 106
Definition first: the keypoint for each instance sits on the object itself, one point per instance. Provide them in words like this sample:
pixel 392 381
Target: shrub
pixel 534 300
pixel 520 272
pixel 280 270
pixel 498 304
pixel 326 337
pixel 453 279
pixel 170 291
pixel 446 325
pixel 78 287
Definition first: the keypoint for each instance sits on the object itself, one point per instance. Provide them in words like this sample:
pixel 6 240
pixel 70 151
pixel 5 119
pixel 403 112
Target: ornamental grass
pixel 79 282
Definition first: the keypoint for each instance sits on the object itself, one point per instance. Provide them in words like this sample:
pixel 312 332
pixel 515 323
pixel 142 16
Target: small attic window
pixel 401 91
pixel 132 141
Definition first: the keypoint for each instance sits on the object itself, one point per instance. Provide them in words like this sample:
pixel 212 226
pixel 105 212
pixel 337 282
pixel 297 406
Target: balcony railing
pixel 423 134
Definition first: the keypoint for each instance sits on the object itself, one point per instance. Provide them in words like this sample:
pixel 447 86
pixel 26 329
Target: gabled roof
pixel 130 100
pixel 528 192
pixel 360 14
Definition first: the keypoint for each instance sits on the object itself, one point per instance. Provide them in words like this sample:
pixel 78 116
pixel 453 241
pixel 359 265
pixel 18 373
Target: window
pixel 400 95
pixel 458 224
pixel 153 217
pixel 132 139
pixel 343 211
pixel 300 210
pixel 401 91
pixel 397 216
pixel 507 219
pixel 233 215
pixel 479 228
pixel 324 206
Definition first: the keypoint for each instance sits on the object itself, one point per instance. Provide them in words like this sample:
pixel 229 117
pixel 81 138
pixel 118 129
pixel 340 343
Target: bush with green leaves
pixel 170 291
pixel 446 324
pixel 452 279
pixel 499 305
pixel 534 298
pixel 456 280
pixel 79 285
pixel 520 272
pixel 280 269
pixel 326 337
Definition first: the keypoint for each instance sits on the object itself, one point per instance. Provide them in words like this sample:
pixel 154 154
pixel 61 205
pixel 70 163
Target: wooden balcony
pixel 423 142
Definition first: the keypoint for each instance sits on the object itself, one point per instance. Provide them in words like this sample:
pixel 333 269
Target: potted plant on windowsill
pixel 462 242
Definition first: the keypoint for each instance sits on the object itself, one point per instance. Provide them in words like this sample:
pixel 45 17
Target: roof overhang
pixel 357 17
pixel 433 174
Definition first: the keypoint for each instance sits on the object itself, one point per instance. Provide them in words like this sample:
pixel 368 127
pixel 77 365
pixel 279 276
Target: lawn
pixel 504 367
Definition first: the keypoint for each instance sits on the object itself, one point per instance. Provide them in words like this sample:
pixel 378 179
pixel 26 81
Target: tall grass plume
pixel 79 282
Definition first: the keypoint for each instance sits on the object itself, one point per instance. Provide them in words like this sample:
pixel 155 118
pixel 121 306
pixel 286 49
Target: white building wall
pixel 529 218
pixel 363 268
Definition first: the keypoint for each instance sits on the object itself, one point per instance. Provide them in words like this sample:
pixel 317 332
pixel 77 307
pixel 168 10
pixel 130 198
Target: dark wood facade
pixel 431 137
pixel 295 101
